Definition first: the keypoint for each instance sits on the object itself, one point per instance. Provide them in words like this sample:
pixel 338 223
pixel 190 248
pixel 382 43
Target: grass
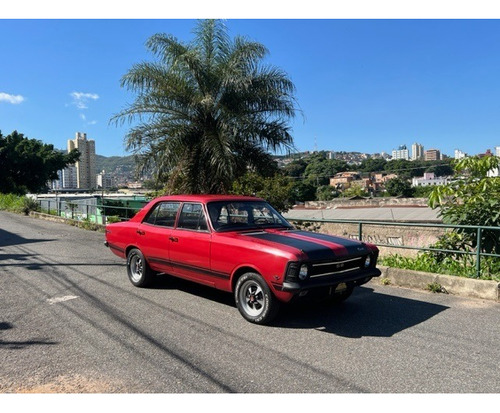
pixel 464 267
pixel 17 203
pixel 436 288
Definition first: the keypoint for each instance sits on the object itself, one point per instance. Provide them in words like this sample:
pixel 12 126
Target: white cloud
pixel 80 99
pixel 14 99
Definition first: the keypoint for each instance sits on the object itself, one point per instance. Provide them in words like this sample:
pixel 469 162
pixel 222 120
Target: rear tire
pixel 138 269
pixel 254 299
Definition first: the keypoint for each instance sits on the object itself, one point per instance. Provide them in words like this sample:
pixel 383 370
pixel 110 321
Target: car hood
pixel 317 247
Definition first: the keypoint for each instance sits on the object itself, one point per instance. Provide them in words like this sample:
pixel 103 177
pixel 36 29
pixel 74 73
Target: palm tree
pixel 207 110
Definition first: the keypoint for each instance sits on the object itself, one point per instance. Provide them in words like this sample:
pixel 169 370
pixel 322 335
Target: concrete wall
pixel 377 234
pixel 369 202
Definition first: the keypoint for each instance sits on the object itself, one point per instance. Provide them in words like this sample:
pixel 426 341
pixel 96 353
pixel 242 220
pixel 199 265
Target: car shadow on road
pixel 365 313
pixel 167 282
pixel 9 238
pixel 17 345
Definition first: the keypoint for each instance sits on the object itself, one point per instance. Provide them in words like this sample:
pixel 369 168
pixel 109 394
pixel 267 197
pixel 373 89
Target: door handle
pixel 173 239
pixel 140 232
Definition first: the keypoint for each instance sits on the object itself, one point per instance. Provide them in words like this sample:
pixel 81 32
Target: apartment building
pixel 86 166
pixel 401 153
pixel 433 155
pixel 417 151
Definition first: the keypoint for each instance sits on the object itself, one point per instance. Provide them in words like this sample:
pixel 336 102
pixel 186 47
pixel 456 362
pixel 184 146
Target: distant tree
pixel 422 191
pixel 304 191
pixel 296 168
pixel 208 110
pixel 401 167
pixel 399 187
pixel 354 190
pixel 326 193
pixel 320 169
pixel 27 165
pixel 373 165
pixel 277 190
pixel 441 169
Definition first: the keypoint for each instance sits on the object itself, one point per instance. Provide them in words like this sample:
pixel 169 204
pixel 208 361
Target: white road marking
pixel 56 300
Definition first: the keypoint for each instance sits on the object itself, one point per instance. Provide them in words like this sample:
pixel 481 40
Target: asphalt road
pixel 70 321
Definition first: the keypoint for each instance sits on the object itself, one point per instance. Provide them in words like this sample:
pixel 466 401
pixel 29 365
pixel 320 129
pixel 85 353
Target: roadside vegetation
pixel 19 204
pixel 463 267
pixel 472 199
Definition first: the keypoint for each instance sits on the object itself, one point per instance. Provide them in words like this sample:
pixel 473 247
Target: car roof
pixel 203 198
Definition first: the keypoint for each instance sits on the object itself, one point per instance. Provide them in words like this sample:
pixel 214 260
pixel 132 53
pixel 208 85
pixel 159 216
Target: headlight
pixel 368 261
pixel 303 272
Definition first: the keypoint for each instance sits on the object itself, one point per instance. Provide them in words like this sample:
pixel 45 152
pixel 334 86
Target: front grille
pixel 324 269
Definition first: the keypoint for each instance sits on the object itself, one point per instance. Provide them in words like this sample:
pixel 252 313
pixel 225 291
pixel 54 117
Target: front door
pixel 190 245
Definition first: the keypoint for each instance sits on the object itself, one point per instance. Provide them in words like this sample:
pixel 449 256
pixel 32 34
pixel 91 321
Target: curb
pixel 461 286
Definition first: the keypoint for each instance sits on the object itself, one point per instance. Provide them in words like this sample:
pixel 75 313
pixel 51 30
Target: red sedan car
pixel 240 245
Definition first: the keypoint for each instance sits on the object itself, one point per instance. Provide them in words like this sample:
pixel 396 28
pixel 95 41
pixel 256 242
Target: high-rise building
pixel 417 151
pixel 433 155
pixel 86 165
pixel 69 177
pixel 104 180
pixel 401 153
pixel 459 154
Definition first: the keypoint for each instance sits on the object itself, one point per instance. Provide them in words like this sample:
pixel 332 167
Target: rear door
pixel 154 235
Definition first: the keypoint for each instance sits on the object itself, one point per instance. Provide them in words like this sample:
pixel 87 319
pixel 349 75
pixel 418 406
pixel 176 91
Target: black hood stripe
pixel 315 252
pixel 353 247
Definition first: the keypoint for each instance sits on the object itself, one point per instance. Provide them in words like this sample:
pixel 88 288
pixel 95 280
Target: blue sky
pixel 362 85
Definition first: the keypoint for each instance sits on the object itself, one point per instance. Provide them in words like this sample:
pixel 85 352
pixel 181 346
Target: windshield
pixel 241 215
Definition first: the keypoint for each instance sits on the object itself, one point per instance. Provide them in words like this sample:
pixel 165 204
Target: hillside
pixel 115 163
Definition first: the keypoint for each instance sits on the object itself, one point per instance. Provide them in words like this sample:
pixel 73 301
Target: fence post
pixel 360 231
pixel 478 253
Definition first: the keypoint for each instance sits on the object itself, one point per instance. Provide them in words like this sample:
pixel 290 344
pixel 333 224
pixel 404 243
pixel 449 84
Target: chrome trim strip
pixel 336 262
pixel 334 273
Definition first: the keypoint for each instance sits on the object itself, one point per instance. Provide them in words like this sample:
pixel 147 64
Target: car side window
pixel 164 214
pixel 192 217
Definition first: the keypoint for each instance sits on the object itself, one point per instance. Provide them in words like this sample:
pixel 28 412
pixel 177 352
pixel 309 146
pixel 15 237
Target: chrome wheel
pixel 252 298
pixel 136 268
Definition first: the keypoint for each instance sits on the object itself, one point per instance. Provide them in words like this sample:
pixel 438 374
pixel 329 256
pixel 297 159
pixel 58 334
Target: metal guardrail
pixel 477 228
pixel 92 212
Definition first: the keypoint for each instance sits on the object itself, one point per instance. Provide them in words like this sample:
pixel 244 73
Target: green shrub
pixel 17 203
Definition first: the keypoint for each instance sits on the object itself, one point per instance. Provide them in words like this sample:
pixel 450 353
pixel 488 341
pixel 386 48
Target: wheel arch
pixel 130 247
pixel 243 270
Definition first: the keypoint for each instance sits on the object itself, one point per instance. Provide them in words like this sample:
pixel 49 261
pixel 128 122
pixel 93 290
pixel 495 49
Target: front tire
pixel 138 269
pixel 254 299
